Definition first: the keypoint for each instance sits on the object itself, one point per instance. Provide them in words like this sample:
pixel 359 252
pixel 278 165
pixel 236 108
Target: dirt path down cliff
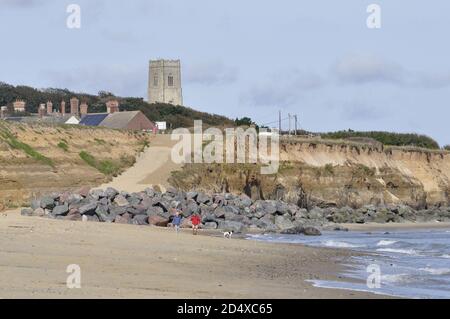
pixel 153 167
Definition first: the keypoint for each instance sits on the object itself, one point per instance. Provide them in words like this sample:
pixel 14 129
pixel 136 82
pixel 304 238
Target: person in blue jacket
pixel 176 221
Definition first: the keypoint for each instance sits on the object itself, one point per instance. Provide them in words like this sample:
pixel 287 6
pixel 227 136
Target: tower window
pixel 155 80
pixel 170 80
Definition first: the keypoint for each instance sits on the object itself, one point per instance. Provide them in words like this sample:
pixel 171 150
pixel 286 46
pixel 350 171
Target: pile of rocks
pixel 149 207
pixel 218 211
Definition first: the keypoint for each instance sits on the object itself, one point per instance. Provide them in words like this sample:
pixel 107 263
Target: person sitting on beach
pixel 195 220
pixel 176 221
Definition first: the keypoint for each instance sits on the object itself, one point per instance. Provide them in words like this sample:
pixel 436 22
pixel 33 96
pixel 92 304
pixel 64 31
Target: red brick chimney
pixel 49 107
pixel 83 108
pixel 74 105
pixel 63 108
pixel 112 106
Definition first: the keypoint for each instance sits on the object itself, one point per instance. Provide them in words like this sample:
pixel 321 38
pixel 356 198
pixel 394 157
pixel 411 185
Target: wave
pixel 445 256
pixel 436 271
pixel 340 244
pixel 386 242
pixel 397 278
pixel 399 251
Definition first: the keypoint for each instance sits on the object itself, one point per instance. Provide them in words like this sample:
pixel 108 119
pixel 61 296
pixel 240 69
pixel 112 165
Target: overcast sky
pixel 317 59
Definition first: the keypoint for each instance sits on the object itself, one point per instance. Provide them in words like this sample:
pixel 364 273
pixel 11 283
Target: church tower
pixel 164 82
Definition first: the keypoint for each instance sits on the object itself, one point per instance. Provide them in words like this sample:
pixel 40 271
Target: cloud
pixel 211 73
pixel 360 69
pixel 18 3
pixel 119 79
pixel 283 88
pixel 363 69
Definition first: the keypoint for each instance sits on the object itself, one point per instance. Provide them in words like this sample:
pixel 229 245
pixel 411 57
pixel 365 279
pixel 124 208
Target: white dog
pixel 227 234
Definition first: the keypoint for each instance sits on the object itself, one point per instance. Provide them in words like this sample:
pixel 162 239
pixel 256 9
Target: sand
pixel 152 167
pixel 127 261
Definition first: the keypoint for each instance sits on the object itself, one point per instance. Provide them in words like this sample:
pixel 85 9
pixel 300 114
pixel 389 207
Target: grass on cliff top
pixel 14 143
pixel 106 167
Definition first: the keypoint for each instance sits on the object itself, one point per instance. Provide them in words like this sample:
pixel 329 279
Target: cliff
pixel 335 173
pixel 35 159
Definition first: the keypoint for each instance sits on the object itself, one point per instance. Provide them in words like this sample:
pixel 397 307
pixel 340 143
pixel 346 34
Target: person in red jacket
pixel 195 220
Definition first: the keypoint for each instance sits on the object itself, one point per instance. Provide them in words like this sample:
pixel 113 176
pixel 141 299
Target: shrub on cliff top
pixel 387 138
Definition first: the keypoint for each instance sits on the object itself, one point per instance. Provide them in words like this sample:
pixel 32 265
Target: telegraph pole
pixel 295 117
pixel 279 122
pixel 289 115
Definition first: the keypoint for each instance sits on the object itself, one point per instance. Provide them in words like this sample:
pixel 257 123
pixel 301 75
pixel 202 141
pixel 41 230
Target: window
pixel 155 80
pixel 170 80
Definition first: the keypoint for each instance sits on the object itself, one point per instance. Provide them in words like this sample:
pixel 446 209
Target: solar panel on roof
pixel 93 119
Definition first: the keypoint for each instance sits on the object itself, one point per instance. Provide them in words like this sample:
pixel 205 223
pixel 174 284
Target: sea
pixel 403 263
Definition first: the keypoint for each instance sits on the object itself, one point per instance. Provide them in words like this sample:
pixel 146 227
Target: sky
pixel 317 59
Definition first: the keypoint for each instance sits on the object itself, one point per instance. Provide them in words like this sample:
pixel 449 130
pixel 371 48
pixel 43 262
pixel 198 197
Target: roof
pixel 93 119
pixel 119 120
pixel 73 120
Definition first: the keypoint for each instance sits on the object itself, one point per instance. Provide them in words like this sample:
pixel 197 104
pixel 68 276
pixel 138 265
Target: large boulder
pixel 73 215
pixel 311 231
pixel 83 191
pixel 123 219
pixel 283 222
pixel 111 193
pixel 203 198
pixel 35 204
pixel 293 230
pixel 88 209
pixel 245 200
pixel 140 220
pixel 234 226
pixel 210 225
pixel 61 210
pixel 158 220
pixel 47 202
pixel 121 201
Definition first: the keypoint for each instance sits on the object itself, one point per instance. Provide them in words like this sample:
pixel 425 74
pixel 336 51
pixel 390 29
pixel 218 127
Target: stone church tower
pixel 164 82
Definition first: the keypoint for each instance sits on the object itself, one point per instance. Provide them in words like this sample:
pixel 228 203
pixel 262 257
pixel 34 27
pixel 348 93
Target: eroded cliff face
pixel 333 174
pixel 23 175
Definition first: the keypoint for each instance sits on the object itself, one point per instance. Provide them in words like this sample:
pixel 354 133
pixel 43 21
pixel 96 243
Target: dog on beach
pixel 227 234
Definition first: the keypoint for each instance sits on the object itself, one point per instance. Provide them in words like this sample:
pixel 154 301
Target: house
pixel 128 120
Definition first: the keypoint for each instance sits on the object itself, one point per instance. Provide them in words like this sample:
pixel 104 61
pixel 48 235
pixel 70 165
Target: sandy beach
pixel 127 261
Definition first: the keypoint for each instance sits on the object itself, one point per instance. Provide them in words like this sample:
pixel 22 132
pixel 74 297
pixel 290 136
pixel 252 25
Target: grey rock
pixel 111 193
pixel 245 200
pixel 47 202
pixel 293 230
pixel 210 225
pixel 283 223
pixel 102 213
pixel 88 209
pixel 121 201
pixel 61 210
pixel 35 204
pixel 117 210
pixel 311 231
pixel 140 220
pixel 202 198
pixel 236 227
